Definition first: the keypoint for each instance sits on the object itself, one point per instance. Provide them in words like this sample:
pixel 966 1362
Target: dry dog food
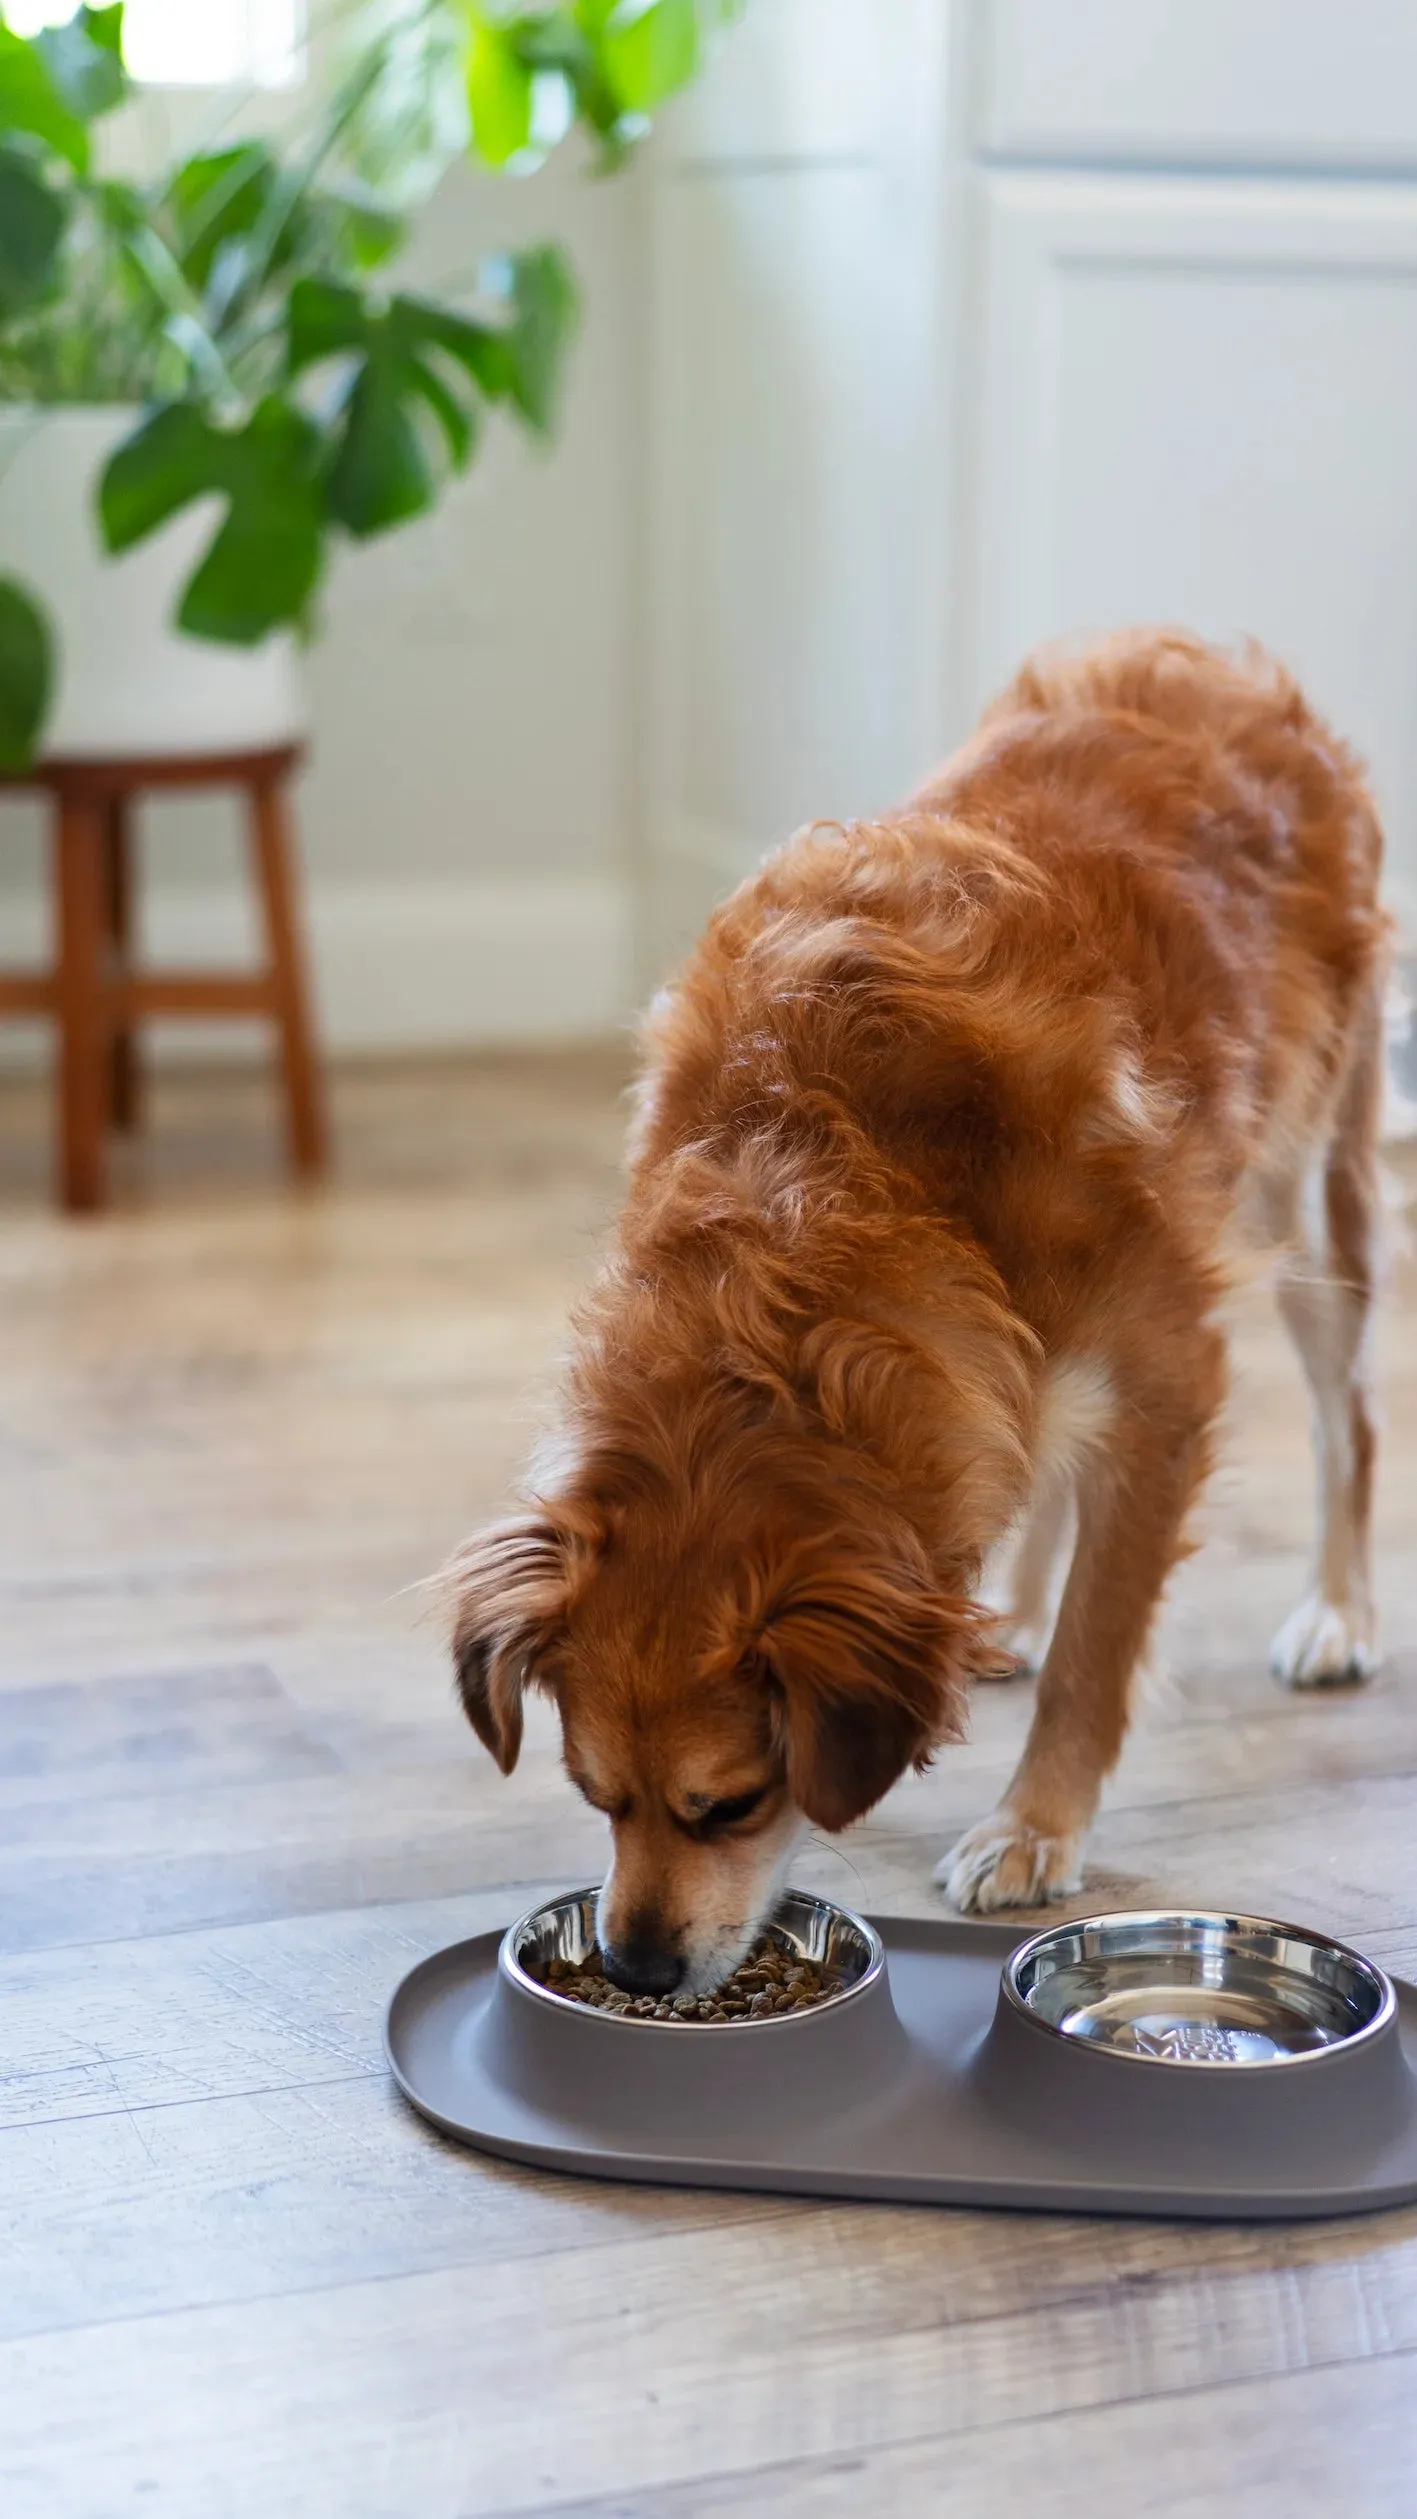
pixel 773 1978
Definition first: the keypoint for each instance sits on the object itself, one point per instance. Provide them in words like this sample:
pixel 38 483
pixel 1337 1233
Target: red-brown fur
pixel 953 1121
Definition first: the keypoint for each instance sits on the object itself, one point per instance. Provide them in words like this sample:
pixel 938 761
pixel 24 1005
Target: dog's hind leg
pixel 1326 1297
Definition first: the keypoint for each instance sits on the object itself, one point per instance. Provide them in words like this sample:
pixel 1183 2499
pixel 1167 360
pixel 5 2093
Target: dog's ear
pixel 511 1585
pixel 871 1667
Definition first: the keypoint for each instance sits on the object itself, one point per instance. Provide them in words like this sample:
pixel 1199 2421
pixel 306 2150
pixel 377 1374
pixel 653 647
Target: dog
pixel 951 1136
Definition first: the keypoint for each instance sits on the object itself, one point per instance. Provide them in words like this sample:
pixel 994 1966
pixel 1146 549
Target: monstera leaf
pixel 412 361
pixel 264 564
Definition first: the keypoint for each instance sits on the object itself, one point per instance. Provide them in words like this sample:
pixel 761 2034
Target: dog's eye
pixel 608 1807
pixel 726 1814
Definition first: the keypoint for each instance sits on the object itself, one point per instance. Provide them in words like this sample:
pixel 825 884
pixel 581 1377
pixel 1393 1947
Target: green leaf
pixel 264 563
pixel 214 196
pixel 476 347
pixel 159 288
pixel 354 225
pixel 323 319
pixel 105 27
pixel 499 94
pixel 84 59
pixel 26 674
pixel 459 426
pixel 546 306
pixel 172 457
pixel 30 101
pixel 650 48
pixel 380 475
pixel 32 223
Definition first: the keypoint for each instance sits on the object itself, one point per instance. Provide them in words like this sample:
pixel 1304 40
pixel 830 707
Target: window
pixel 194 43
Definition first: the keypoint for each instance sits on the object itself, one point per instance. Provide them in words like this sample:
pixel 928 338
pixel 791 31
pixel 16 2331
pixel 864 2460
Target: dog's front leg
pixel 1132 1508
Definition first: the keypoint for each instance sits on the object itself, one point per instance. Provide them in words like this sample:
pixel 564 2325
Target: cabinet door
pixel 1196 402
pixel 1276 83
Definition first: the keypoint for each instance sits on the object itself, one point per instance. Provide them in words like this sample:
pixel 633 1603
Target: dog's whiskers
pixel 823 1845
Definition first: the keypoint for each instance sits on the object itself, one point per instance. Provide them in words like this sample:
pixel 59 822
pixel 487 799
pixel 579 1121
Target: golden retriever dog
pixel 951 1136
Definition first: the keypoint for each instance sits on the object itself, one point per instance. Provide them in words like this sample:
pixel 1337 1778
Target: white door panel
pixel 1198 403
pixel 1317 83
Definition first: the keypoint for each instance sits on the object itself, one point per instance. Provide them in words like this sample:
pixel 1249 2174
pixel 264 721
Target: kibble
pixel 773 1980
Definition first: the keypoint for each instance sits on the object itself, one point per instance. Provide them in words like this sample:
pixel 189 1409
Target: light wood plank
pixel 117 2027
pixel 1297 2446
pixel 81 1743
pixel 645 2363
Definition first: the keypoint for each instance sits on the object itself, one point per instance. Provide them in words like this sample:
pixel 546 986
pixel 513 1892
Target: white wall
pixel 466 815
pixel 798 235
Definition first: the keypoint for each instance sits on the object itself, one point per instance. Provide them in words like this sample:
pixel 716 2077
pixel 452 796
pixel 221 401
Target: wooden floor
pixel 237 2276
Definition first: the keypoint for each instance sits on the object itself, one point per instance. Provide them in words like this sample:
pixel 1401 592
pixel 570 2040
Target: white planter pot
pixel 128 682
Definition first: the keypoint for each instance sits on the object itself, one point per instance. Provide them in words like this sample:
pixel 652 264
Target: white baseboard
pixel 441 963
pixel 421 963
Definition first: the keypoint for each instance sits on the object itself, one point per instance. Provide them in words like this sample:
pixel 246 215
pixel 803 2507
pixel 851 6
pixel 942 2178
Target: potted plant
pixel 213 373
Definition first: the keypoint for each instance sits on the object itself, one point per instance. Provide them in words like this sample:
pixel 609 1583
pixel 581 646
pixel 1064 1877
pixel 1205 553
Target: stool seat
pixel 96 995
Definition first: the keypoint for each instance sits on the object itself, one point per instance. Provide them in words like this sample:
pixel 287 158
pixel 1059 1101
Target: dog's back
pixel 1137 913
pixel 1218 834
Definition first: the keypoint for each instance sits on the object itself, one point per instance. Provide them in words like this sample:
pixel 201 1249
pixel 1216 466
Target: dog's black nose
pixel 640 1967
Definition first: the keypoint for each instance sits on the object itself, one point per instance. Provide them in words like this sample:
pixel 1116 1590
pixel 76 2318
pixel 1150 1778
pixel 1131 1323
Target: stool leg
pixel 124 1084
pixel 83 1028
pixel 275 865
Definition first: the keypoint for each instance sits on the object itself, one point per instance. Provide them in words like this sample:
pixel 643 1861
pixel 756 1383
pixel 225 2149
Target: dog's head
pixel 729 1668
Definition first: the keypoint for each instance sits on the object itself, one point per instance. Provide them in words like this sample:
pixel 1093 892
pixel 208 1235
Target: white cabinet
pixel 1197 402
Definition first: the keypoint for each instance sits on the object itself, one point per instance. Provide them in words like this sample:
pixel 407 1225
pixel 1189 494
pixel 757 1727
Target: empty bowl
pixel 1199 1991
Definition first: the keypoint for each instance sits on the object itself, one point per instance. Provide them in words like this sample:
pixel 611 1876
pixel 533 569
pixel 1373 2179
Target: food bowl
pixel 1200 1992
pixel 828 1936
pixel 652 2074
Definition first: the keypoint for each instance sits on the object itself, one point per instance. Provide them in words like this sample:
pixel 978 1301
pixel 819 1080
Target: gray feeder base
pixel 926 2091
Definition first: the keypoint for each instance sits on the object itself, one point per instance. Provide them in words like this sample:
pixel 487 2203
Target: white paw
pixel 1026 1639
pixel 1322 1643
pixel 1001 1863
pixel 1016 1649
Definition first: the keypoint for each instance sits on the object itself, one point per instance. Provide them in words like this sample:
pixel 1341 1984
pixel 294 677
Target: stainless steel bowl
pixel 565 1929
pixel 1207 1990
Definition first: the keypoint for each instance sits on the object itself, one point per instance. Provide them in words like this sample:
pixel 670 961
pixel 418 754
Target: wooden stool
pixel 98 998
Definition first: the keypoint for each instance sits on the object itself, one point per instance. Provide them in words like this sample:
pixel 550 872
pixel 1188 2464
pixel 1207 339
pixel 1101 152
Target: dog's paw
pixel 1022 1644
pixel 1002 1863
pixel 1322 1644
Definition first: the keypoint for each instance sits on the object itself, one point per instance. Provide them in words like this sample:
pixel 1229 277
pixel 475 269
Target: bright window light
pixel 194 43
